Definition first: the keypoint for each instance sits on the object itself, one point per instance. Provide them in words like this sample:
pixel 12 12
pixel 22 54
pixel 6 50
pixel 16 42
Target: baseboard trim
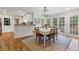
pixel 69 35
pixel 24 37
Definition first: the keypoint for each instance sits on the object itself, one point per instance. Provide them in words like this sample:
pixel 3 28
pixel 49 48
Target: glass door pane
pixel 61 24
pixel 55 21
pixel 74 24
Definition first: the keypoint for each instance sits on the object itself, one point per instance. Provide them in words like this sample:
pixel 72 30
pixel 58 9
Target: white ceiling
pixel 20 11
pixel 15 10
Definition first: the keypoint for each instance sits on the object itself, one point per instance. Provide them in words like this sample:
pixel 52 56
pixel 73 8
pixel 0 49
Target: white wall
pixel 0 24
pixel 9 28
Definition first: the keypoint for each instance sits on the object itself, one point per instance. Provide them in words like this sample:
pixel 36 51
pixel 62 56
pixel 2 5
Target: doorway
pixel 16 21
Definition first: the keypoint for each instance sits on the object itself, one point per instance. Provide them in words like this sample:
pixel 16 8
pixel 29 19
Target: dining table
pixel 45 31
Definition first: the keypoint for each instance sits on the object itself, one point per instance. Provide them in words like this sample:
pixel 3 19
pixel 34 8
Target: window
pixel 6 21
pixel 36 21
pixel 48 22
pixel 74 24
pixel 55 21
pixel 61 24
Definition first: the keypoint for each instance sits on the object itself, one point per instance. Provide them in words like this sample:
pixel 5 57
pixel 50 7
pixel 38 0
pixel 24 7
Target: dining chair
pixel 38 34
pixel 51 35
pixel 56 31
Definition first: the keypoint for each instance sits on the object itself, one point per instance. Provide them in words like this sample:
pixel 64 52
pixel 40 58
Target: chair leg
pixel 36 37
pixel 49 41
pixel 53 39
pixel 39 40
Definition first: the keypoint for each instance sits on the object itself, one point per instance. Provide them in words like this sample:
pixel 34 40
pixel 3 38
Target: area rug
pixel 60 45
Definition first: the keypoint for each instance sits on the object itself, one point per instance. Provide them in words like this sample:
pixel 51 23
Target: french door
pixel 55 22
pixel 62 24
pixel 73 24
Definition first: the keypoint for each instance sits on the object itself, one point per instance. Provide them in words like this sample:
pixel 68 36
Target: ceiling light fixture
pixel 45 10
pixel 68 8
pixel 19 11
pixel 4 10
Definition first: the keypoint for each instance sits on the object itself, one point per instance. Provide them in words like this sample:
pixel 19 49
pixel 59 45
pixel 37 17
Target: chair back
pixel 37 30
pixel 52 31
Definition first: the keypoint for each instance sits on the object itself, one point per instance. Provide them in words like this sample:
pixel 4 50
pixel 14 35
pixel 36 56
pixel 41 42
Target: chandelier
pixel 45 15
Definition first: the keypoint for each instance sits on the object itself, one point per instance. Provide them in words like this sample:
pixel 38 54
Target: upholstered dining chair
pixel 37 32
pixel 38 35
pixel 51 36
pixel 56 31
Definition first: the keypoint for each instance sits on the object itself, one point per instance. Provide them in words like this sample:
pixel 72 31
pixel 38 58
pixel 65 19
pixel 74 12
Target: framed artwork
pixel 6 21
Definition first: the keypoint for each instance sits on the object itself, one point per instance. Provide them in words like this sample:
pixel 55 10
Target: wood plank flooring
pixel 8 43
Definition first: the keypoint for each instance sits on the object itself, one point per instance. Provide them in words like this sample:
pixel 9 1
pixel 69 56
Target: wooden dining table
pixel 45 31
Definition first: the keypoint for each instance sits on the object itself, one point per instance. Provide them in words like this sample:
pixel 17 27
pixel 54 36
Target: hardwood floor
pixel 8 43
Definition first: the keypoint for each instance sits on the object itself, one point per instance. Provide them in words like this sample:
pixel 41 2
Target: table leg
pixel 51 42
pixel 44 40
pixel 56 37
